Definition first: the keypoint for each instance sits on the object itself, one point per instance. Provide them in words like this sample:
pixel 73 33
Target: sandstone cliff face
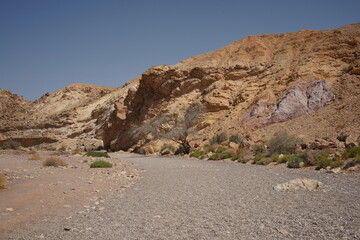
pixel 71 117
pixel 306 82
pixel 252 85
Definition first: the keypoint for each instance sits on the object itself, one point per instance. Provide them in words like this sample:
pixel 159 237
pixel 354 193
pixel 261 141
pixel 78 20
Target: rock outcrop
pixel 306 82
pixel 255 86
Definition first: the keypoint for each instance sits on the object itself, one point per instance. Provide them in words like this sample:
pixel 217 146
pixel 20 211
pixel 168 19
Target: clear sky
pixel 48 44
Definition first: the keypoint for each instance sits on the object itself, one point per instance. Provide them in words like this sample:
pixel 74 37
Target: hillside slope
pixel 306 82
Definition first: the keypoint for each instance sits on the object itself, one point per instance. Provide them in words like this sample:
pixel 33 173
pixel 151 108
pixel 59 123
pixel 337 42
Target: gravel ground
pixel 178 198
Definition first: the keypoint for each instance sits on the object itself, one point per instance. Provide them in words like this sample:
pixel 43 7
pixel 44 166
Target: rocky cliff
pixel 306 82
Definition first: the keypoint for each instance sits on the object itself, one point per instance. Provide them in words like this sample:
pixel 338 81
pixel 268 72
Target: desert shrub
pixel 275 158
pixel 351 152
pixel 10 144
pixel 53 162
pixel 32 152
pixel 284 159
pixel 282 143
pixel 225 155
pixel 198 153
pixel 311 157
pixel 235 138
pixel 258 148
pixel 337 162
pixel 2 181
pixel 235 158
pixel 219 138
pixel 259 156
pixel 357 158
pixel 215 156
pixel 262 162
pixel 220 149
pixel 295 160
pixel 97 154
pixel 35 157
pixel 180 151
pixel 323 161
pixel 101 164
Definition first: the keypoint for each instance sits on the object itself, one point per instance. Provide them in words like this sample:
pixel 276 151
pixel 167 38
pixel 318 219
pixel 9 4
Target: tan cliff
pixel 307 82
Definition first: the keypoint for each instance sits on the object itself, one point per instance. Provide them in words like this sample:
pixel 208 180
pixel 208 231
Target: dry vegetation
pixel 35 157
pixel 54 162
pixel 2 181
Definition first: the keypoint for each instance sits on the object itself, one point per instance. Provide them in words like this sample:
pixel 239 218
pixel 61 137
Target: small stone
pixel 67 229
pixel 101 208
pixel 67 206
pixel 97 203
pixel 9 209
pixel 283 231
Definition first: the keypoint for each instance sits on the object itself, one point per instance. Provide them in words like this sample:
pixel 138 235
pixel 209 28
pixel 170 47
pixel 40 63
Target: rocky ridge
pixel 306 82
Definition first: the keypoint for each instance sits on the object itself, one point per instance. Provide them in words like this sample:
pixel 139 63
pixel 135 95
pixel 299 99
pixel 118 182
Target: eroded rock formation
pixel 306 82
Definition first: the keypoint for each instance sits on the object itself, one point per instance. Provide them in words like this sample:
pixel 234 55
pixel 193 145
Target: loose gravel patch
pixel 179 198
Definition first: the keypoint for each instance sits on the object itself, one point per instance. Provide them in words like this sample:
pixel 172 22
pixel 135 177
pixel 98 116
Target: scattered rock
pixel 9 209
pixel 298 184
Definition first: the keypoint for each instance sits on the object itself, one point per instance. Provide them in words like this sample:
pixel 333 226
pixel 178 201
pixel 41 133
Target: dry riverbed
pixel 36 193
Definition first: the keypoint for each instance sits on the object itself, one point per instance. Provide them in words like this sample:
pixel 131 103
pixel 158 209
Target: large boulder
pixel 298 184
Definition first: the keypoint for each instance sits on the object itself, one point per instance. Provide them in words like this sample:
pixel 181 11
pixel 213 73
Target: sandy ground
pixel 37 194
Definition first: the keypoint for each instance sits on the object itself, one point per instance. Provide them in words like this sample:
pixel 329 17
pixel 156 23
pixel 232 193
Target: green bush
pixel 351 152
pixel 262 162
pixel 323 161
pixel 54 162
pixel 259 156
pixel 10 144
pixel 198 153
pixel 235 158
pixel 215 156
pixel 221 149
pixel 282 143
pixel 357 158
pixel 101 164
pixel 275 158
pixel 225 155
pixel 235 138
pixel 336 163
pixel 97 154
pixel 295 161
pixel 219 138
pixel 284 159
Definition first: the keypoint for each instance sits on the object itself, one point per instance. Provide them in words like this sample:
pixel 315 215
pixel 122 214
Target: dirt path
pixel 191 199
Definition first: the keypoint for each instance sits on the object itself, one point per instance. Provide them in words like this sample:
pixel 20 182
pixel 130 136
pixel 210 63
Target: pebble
pixel 9 209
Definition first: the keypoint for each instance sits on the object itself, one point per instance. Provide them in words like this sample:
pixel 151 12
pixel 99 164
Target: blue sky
pixel 48 44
